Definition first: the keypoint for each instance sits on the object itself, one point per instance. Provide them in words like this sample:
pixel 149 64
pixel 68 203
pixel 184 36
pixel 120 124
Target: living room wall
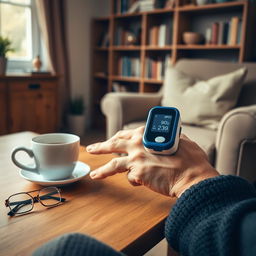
pixel 79 15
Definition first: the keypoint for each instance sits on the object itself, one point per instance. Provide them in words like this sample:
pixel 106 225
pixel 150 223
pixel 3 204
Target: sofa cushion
pixel 202 102
pixel 205 138
pixel 211 68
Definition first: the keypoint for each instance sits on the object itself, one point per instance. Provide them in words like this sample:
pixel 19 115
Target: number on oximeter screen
pixel 161 123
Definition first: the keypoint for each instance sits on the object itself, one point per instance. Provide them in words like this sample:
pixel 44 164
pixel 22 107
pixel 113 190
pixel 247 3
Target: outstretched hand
pixel 168 175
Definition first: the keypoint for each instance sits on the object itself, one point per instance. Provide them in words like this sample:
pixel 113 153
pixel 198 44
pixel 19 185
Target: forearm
pixel 207 217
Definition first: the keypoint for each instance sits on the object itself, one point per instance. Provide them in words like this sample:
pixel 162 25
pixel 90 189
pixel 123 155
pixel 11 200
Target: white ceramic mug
pixel 55 155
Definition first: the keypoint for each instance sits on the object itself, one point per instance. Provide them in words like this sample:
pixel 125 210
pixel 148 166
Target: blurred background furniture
pixel 231 148
pixel 119 65
pixel 28 103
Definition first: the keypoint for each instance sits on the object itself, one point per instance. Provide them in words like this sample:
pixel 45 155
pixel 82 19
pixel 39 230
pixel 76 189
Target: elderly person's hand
pixel 168 175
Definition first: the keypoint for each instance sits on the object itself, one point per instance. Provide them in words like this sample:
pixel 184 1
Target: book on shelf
pixel 224 33
pixel 239 31
pixel 153 35
pixel 215 33
pixel 233 31
pixel 155 67
pixel 129 66
pixel 146 5
pixel 103 40
pixel 208 35
pixel 220 33
pixel 161 35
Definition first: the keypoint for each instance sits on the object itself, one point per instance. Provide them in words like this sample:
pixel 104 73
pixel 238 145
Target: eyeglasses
pixel 23 202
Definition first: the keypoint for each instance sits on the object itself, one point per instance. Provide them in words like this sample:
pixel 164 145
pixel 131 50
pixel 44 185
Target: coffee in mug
pixel 55 155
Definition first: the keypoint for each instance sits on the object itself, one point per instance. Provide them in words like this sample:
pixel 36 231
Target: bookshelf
pixel 129 48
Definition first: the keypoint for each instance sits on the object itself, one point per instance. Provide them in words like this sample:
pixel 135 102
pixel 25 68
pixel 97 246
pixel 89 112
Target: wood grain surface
pixel 130 219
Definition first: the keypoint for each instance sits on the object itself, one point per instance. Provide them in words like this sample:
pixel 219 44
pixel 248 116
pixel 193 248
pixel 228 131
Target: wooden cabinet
pixel 31 104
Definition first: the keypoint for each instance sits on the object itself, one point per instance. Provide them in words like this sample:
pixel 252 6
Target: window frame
pixel 24 65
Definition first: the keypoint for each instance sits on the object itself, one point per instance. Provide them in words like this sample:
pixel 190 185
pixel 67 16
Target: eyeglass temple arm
pixel 20 205
pixel 28 201
pixel 48 196
pixel 15 209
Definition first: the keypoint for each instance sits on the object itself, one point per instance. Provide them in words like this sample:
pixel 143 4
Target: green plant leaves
pixel 77 106
pixel 5 46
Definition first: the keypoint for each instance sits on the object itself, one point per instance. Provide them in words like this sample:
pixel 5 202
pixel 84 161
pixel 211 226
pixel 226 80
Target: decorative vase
pixel 3 64
pixel 76 124
pixel 192 38
pixel 37 63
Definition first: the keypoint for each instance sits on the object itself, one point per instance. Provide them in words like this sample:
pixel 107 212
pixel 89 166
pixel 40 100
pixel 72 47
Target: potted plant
pixel 5 47
pixel 76 117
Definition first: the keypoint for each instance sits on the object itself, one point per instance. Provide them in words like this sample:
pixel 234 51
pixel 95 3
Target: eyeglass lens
pixel 49 196
pixel 21 203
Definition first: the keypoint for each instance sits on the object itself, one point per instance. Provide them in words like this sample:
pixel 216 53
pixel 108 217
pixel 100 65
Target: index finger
pixel 116 144
pixel 113 145
pixel 116 165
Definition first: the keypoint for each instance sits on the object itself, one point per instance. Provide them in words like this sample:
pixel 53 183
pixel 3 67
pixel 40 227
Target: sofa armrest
pixel 236 143
pixel 123 108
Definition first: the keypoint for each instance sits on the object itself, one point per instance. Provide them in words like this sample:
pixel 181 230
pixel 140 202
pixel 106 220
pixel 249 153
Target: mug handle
pixel 22 166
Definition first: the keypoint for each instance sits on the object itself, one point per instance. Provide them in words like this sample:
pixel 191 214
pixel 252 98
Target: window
pixel 18 22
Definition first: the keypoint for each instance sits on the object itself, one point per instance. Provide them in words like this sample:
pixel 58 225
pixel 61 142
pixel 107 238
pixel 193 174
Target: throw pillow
pixel 202 103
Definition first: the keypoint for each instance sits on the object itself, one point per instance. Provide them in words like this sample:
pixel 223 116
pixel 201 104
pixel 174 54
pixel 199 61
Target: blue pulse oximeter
pixel 162 131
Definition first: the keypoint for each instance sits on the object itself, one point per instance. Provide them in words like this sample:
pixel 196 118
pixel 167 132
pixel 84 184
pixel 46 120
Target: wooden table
pixel 130 219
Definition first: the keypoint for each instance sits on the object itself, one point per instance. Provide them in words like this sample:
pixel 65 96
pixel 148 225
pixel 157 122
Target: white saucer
pixel 80 171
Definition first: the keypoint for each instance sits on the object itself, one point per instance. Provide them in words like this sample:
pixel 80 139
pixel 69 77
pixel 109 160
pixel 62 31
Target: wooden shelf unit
pixel 106 60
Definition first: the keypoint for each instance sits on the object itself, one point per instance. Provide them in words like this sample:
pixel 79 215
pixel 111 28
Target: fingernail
pixel 93 174
pixel 89 148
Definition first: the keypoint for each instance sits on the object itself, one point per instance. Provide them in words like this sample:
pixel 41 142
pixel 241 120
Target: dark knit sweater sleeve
pixel 208 218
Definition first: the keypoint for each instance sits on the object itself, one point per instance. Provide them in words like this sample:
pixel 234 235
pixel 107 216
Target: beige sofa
pixel 231 149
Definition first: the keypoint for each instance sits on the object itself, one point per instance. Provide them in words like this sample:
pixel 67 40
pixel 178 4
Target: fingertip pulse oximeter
pixel 162 131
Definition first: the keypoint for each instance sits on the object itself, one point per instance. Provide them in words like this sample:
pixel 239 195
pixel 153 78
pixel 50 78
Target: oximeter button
pixel 159 139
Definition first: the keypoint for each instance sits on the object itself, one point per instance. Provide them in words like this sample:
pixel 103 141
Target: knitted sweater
pixel 215 217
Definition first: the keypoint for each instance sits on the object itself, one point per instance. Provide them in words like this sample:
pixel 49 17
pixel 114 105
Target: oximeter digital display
pixel 162 131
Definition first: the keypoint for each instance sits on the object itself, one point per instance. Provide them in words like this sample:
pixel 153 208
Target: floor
pixel 93 136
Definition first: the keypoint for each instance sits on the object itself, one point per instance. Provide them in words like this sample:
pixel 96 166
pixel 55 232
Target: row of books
pixel 228 33
pixel 103 39
pixel 161 35
pixel 155 67
pixel 129 66
pixel 131 6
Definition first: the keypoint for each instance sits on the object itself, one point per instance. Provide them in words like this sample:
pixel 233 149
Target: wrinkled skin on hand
pixel 168 175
